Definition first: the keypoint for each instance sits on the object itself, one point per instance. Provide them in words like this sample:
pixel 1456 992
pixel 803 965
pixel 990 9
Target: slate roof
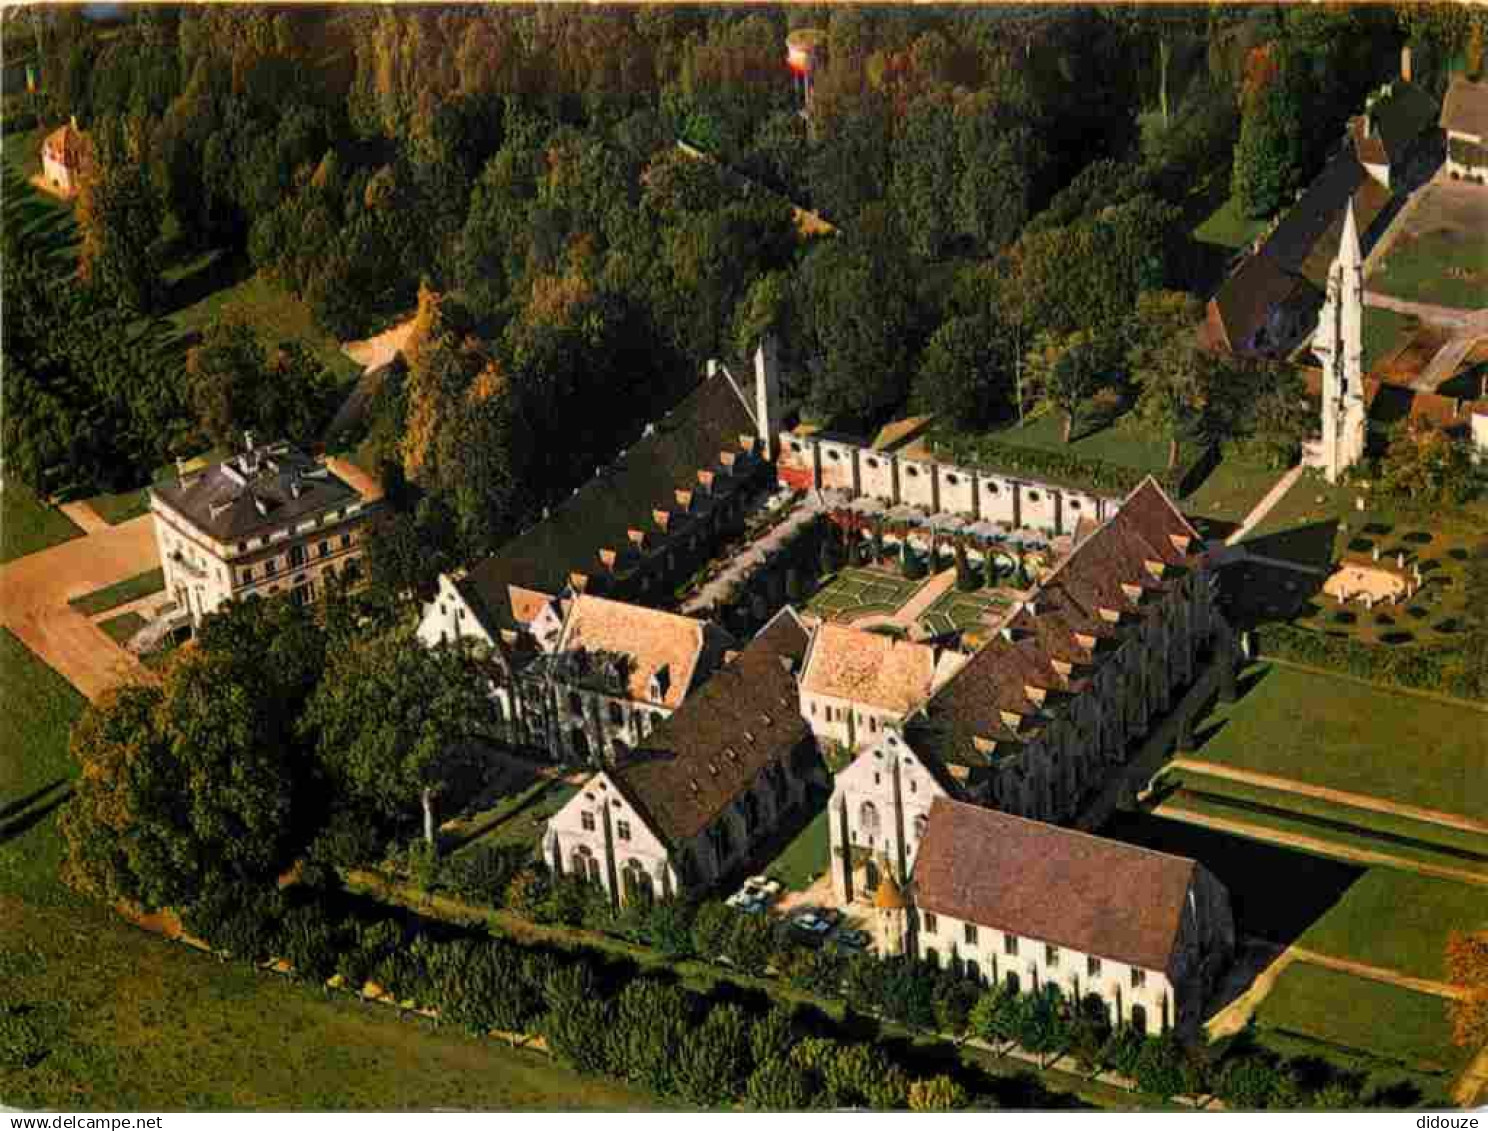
pixel 696 763
pixel 1400 117
pixel 707 422
pixel 1040 881
pixel 1299 251
pixel 1050 647
pixel 869 668
pixel 1465 109
pixel 253 492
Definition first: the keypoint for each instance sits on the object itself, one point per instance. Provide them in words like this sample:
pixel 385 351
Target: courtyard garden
pixel 805 859
pixel 958 610
pixel 860 591
pixel 1345 734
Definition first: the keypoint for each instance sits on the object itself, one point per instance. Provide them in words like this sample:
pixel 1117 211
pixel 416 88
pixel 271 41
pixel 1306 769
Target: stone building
pixel 1008 901
pixel 858 684
pixel 64 155
pixel 694 802
pixel 1339 345
pixel 1464 117
pixel 580 678
pixel 1033 722
pixel 268 521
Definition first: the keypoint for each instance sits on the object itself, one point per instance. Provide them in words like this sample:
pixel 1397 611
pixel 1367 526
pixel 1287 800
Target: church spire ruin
pixel 1339 344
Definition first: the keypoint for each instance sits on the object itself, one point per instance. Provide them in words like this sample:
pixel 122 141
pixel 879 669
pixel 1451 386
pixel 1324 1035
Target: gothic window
pixel 575 703
pixel 971 934
pixel 586 820
pixel 867 822
pixel 296 557
pixel 622 830
pixel 1010 945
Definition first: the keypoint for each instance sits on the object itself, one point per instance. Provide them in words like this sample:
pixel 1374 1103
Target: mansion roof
pixel 1087 893
pixel 266 488
pixel 662 654
pixel 697 762
pixel 869 668
pixel 1465 109
pixel 1053 644
pixel 622 497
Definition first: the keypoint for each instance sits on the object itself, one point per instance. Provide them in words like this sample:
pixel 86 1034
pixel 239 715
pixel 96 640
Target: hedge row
pixel 1442 670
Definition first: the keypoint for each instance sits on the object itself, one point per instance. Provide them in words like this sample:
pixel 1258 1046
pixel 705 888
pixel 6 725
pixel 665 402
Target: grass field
pixel 955 610
pixel 1384 330
pixel 122 627
pixel 121 507
pixel 1232 490
pixel 1336 733
pixel 133 1022
pixel 1399 921
pixel 1355 1015
pixel 1126 440
pixel 856 592
pixel 807 857
pixel 1347 825
pixel 521 818
pixel 1227 227
pixel 1445 266
pixel 27 524
pixel 120 593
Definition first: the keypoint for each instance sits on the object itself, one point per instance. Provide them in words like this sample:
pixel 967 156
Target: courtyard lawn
pixel 956 610
pixel 1231 491
pixel 27 524
pixel 856 592
pixel 120 593
pixel 1340 734
pixel 521 819
pixel 1351 1015
pixel 1227 227
pixel 1399 921
pixel 806 858
pixel 121 629
pixel 1384 331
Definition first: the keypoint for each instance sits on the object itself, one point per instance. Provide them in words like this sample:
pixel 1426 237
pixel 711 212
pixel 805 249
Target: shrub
pixel 308 941
pixel 237 918
pixel 1163 1067
pixel 1438 669
pixel 1248 1083
pixel 712 930
pixel 715 1059
pixel 779 1085
pixel 577 1023
pixel 348 840
pixel 939 1093
pixel 651 1027
pixel 484 874
pixel 772 1035
pixel 21 1044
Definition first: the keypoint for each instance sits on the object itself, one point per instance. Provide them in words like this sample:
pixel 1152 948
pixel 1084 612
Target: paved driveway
pixel 34 592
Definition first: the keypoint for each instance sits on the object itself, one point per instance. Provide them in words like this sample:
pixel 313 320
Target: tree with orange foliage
pixel 1467 966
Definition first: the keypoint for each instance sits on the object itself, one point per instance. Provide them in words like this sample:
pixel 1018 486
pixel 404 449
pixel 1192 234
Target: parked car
pixel 851 939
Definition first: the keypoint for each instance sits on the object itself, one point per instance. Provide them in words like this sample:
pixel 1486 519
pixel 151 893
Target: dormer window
pixel 1133 592
pixel 1110 616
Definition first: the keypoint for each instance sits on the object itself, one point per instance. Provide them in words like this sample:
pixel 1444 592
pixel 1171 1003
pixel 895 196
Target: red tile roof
pixel 1040 881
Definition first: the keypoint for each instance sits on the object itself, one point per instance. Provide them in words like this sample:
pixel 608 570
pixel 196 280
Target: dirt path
pixel 1378 973
pixel 1236 1016
pixel 1339 796
pixel 1472 1085
pixel 1263 508
pixel 34 592
pixel 86 518
pixel 1320 847
pixel 1451 317
pixel 378 350
pixel 926 595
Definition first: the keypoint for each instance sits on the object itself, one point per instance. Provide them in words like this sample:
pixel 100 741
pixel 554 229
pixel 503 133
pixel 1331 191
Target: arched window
pixel 867 822
pixel 921 826
pixel 638 882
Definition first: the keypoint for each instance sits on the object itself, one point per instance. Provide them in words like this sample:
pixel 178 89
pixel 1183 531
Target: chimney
pixel 1405 63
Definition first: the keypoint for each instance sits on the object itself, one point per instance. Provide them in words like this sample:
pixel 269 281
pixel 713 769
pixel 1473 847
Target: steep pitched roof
pixel 1465 109
pixel 659 646
pixel 67 144
pixel 1052 644
pixel 1040 881
pixel 869 668
pixel 265 489
pixel 708 422
pixel 696 763
pixel 1399 118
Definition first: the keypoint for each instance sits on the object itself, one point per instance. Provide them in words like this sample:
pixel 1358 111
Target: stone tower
pixel 1339 344
pixel 767 393
pixel 889 916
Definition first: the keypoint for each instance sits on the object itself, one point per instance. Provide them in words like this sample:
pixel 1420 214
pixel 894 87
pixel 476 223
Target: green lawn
pixel 1448 267
pixel 1399 921
pixel 1231 491
pixel 27 524
pixel 1336 733
pixel 1227 227
pixel 521 819
pixel 1126 441
pixel 1355 1015
pixel 121 507
pixel 120 593
pixel 955 610
pixel 1384 330
pixel 121 629
pixel 806 858
pixel 855 592
pixel 275 313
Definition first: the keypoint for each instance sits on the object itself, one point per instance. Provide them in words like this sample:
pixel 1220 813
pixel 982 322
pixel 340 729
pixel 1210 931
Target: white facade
pixel 1339 344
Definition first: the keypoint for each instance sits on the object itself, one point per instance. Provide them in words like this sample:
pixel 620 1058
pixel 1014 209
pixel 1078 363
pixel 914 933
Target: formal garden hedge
pixel 1448 671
